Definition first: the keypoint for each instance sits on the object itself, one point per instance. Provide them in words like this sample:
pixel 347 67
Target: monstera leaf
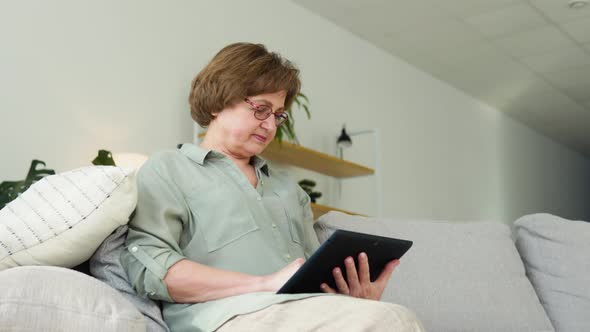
pixel 10 190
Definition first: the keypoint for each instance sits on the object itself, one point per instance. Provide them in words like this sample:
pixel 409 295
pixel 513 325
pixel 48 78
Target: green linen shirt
pixel 196 204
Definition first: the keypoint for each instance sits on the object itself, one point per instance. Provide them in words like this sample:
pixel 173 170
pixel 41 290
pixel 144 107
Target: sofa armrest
pixel 556 254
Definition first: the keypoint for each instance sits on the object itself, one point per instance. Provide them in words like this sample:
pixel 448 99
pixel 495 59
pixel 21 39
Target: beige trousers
pixel 327 313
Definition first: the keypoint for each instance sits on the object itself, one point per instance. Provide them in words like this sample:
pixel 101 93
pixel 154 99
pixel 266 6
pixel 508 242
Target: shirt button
pixel 287 256
pixel 259 198
pixel 152 293
pixel 134 249
pixel 274 226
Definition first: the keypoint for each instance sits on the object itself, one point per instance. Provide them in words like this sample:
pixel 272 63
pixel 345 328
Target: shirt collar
pixel 194 152
pixel 198 155
pixel 260 163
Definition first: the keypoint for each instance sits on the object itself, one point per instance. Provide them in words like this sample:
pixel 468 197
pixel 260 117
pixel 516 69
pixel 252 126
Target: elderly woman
pixel 217 231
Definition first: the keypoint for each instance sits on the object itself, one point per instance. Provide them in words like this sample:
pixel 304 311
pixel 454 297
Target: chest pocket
pixel 222 217
pixel 293 213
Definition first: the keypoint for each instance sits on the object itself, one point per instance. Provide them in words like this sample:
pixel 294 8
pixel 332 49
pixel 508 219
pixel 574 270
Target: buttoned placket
pixel 260 189
pixel 276 232
pixel 258 194
pixel 274 228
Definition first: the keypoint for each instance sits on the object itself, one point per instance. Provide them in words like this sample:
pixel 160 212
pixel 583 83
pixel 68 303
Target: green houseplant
pixel 307 186
pixel 10 190
pixel 104 158
pixel 287 130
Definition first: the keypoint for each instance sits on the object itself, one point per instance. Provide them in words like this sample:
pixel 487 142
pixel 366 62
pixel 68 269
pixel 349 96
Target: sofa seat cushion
pixel 47 298
pixel 556 253
pixel 457 276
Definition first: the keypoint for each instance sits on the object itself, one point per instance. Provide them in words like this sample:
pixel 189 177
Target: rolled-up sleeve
pixel 310 243
pixel 152 244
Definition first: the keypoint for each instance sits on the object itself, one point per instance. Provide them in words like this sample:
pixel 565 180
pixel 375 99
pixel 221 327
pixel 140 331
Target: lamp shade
pixel 344 140
pixel 129 160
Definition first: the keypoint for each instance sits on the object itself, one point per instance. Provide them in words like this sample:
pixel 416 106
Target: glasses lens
pixel 280 118
pixel 262 112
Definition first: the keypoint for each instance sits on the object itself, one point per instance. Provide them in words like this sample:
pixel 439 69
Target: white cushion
pixel 556 254
pixel 48 298
pixel 457 276
pixel 61 219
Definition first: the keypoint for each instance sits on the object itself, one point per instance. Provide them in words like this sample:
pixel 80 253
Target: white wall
pixel 76 76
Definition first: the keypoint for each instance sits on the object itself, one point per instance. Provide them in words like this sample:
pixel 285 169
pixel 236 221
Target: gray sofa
pixel 475 276
pixel 482 276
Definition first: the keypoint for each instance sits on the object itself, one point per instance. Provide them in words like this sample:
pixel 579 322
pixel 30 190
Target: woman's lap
pixel 327 313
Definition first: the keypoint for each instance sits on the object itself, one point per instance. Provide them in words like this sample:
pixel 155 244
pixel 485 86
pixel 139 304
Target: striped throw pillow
pixel 62 219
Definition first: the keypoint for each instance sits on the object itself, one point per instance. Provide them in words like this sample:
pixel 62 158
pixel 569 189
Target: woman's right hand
pixel 274 282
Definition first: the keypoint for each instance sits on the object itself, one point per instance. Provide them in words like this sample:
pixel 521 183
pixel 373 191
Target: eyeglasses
pixel 262 112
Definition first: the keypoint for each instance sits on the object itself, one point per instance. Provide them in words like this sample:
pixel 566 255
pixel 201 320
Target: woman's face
pixel 242 135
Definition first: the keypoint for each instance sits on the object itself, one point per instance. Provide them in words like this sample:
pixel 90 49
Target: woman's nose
pixel 269 123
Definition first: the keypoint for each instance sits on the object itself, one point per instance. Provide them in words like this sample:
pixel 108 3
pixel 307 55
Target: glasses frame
pixel 262 115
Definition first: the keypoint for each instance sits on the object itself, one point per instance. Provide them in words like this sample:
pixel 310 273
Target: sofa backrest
pixel 457 276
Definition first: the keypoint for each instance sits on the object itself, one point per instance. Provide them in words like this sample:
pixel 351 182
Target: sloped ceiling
pixel 527 58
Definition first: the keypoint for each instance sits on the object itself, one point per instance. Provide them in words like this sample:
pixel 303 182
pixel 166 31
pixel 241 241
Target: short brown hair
pixel 237 71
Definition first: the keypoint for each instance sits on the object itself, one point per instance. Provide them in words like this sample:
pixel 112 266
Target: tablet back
pixel 342 244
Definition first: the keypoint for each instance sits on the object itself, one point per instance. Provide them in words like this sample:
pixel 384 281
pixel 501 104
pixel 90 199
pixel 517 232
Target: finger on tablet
pixel 340 282
pixel 327 289
pixel 351 275
pixel 364 273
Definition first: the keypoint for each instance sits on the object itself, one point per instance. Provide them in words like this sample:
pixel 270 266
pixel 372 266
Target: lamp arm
pixel 377 166
pixel 362 132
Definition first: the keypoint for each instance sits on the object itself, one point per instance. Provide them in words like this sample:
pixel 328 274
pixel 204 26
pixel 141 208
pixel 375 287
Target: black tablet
pixel 342 244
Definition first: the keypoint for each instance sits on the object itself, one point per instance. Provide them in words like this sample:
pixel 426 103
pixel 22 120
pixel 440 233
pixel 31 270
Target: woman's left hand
pixel 358 284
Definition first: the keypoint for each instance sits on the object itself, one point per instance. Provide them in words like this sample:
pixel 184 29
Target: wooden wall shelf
pixel 323 163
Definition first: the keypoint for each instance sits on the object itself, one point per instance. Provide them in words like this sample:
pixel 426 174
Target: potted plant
pixel 307 186
pixel 287 130
pixel 10 190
